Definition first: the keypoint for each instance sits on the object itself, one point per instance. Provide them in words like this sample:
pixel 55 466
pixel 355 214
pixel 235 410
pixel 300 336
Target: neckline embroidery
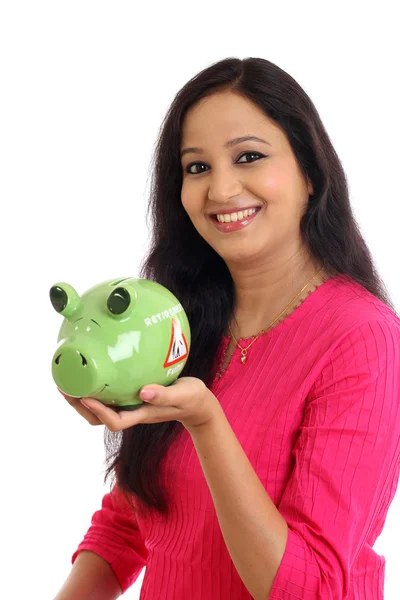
pixel 220 372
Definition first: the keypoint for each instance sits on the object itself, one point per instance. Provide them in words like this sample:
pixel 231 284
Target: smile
pixel 235 216
pixel 234 221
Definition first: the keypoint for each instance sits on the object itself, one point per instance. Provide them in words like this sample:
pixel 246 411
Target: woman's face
pixel 223 177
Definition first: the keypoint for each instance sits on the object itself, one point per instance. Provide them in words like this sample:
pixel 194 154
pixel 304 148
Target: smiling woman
pixel 228 175
pixel 267 469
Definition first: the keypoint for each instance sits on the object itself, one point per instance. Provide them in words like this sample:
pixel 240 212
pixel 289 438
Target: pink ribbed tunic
pixel 317 411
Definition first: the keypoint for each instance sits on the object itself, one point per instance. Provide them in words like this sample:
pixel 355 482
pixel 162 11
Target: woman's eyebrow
pixel 229 144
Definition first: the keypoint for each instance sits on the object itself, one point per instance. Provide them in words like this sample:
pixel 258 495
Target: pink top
pixel 317 411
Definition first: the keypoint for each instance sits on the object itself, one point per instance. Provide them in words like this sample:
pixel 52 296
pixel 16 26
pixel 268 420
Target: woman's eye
pixel 254 156
pixel 191 172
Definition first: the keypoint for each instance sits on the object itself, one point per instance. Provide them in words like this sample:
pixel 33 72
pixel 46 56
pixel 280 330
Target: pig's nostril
pixel 84 361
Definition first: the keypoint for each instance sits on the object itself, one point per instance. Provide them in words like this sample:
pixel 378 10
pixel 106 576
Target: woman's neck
pixel 263 294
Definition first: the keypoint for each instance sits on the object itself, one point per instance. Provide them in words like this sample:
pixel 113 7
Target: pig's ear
pixel 65 299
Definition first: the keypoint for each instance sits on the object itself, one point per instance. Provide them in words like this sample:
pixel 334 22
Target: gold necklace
pixel 243 351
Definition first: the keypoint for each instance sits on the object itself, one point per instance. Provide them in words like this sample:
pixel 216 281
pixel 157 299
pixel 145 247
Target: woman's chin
pixel 240 254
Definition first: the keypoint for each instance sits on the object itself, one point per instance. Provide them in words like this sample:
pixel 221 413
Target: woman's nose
pixel 223 186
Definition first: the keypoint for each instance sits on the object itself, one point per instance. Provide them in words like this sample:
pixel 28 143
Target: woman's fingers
pixel 116 421
pixel 82 410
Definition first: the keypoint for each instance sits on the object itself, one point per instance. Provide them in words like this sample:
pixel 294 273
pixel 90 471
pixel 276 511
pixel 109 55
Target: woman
pixel 267 469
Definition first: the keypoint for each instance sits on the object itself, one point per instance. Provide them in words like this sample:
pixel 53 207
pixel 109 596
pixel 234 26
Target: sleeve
pixel 114 535
pixel 346 465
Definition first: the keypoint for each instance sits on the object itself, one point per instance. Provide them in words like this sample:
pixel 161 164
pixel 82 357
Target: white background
pixel 84 88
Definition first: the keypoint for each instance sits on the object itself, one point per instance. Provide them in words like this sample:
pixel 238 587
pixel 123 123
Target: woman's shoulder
pixel 348 305
pixel 352 329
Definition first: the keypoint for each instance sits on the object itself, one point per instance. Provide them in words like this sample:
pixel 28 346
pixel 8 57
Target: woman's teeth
pixel 236 216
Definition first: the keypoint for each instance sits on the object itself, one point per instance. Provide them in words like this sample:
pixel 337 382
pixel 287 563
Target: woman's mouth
pixel 234 221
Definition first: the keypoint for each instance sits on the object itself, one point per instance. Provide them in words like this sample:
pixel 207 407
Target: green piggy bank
pixel 117 337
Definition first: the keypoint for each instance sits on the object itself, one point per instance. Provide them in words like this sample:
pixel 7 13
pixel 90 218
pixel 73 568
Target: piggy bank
pixel 117 337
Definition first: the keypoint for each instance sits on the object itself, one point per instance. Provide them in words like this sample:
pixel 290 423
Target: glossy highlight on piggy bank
pixel 117 337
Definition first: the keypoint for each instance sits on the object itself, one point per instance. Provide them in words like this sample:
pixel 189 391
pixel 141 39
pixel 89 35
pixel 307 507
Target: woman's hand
pixel 187 400
pixel 81 409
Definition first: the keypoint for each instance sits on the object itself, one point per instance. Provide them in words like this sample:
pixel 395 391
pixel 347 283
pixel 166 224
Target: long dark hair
pixel 182 261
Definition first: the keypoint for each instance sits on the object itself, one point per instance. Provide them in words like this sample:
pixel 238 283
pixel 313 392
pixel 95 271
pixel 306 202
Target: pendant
pixel 244 357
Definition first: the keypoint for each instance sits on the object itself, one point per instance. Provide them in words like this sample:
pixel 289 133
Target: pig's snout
pixel 78 371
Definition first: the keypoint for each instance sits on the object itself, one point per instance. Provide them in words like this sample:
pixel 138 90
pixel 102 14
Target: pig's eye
pixel 118 301
pixel 58 298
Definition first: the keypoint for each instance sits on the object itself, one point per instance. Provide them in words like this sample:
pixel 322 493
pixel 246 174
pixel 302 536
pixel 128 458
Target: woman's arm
pixel 115 538
pixel 91 578
pixel 254 531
